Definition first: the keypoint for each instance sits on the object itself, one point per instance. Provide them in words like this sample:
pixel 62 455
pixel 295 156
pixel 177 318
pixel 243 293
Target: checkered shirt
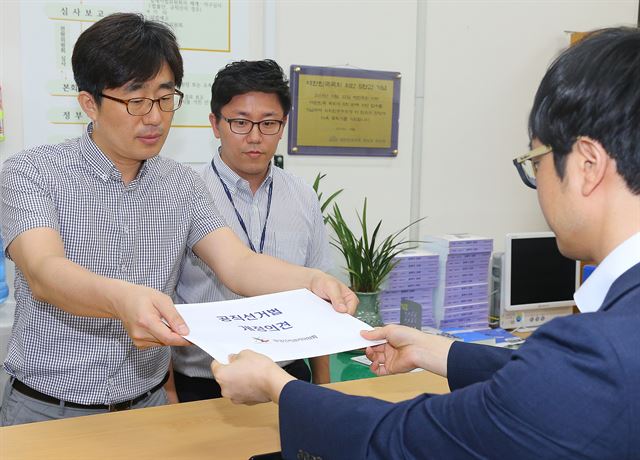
pixel 137 232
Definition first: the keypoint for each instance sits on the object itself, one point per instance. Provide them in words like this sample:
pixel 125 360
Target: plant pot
pixel 369 308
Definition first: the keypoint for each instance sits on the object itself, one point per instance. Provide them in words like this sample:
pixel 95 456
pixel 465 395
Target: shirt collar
pixel 101 164
pixel 232 179
pixel 591 294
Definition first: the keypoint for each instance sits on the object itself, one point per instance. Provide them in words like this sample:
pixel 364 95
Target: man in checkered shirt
pixel 97 227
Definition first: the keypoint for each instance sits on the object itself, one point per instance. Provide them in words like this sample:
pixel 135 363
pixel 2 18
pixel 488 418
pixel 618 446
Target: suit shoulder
pixel 606 334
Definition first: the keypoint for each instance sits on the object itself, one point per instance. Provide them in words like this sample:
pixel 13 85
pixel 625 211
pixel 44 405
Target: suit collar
pixel 627 281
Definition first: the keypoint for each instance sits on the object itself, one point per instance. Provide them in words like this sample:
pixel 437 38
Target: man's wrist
pixel 276 382
pixel 114 290
pixel 314 274
pixel 435 353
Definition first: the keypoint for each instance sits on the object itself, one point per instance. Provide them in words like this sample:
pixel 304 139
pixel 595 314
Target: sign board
pixel 339 111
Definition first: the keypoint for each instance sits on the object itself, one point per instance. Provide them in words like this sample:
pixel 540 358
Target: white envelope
pixel 284 326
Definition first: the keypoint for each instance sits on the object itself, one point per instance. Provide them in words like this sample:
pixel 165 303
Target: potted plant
pixel 369 259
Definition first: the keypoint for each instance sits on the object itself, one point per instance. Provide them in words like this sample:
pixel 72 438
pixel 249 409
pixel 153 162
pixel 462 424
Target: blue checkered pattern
pixel 295 233
pixel 137 232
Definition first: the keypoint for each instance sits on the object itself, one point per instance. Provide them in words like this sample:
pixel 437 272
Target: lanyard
pixel 240 220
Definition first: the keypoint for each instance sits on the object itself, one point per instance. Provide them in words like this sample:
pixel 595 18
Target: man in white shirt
pixel 271 210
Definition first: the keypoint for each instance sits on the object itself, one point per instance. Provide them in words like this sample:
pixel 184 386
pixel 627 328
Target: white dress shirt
pixel 591 294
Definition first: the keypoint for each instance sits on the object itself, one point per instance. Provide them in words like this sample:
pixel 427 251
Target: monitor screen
pixel 537 275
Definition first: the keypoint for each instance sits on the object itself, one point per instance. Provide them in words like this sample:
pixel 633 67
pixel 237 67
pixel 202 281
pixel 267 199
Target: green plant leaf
pixel 368 261
pixel 316 182
pixel 324 204
pixel 328 201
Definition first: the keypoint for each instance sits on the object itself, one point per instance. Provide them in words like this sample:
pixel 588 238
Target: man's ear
pixel 593 163
pixel 88 105
pixel 213 120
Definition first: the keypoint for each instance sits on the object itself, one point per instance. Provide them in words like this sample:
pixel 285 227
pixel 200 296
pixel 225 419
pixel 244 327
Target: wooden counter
pixel 204 429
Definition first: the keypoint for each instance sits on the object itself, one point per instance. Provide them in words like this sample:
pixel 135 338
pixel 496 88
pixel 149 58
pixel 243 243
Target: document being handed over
pixel 284 326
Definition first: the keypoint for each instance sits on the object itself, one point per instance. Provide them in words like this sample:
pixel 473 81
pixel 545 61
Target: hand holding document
pixel 284 326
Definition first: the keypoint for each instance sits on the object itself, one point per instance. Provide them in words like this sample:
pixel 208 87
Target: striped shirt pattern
pixel 295 233
pixel 137 232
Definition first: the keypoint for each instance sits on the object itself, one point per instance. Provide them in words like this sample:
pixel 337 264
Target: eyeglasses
pixel 527 167
pixel 140 106
pixel 243 126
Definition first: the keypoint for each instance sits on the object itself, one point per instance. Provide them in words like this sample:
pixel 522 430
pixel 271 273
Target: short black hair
pixel 121 48
pixel 243 77
pixel 593 89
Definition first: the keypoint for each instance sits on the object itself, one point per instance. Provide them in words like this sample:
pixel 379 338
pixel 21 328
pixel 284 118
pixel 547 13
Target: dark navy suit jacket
pixel 571 391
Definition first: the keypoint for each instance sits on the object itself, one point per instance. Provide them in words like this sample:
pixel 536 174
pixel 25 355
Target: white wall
pixel 484 60
pixel 376 35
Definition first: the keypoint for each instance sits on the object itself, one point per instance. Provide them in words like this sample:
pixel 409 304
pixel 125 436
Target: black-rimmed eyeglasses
pixel 527 165
pixel 244 126
pixel 140 106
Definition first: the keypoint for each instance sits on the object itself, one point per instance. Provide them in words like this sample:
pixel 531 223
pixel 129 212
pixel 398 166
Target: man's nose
pixel 154 117
pixel 254 135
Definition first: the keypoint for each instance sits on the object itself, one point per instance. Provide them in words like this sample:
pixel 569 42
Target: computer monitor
pixel 533 281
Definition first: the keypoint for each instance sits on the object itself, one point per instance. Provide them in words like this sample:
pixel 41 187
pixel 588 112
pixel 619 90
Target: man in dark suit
pixel 573 389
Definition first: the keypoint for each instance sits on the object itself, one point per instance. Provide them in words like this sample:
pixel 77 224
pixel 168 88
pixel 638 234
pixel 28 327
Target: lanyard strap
pixel 240 220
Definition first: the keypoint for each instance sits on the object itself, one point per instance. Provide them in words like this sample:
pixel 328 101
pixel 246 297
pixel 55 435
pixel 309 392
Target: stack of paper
pixel 414 278
pixel 461 298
